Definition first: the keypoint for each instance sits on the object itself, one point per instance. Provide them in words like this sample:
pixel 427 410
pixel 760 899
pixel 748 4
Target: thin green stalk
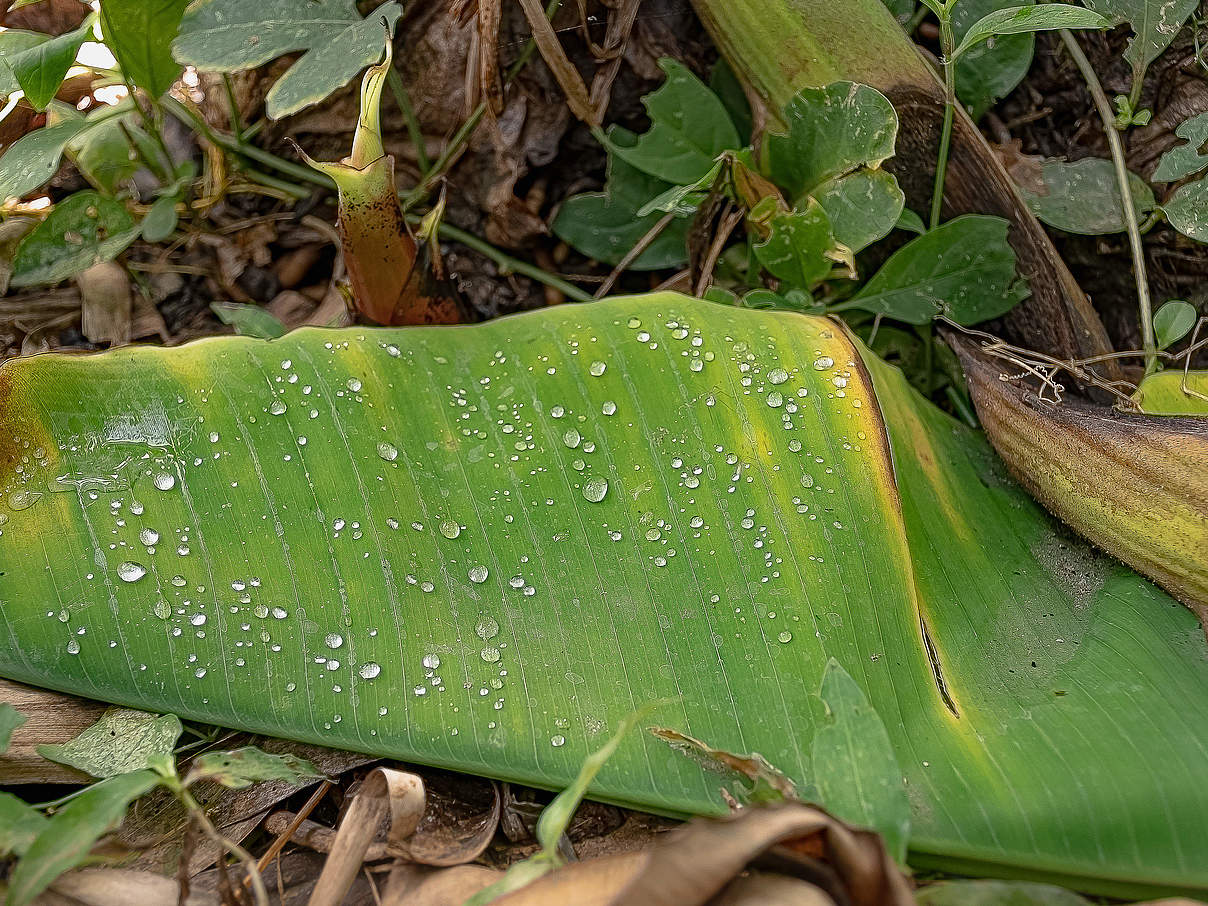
pixel 291 189
pixel 947 46
pixel 232 107
pixel 1138 83
pixel 513 265
pixel 413 127
pixel 229 143
pixel 1104 107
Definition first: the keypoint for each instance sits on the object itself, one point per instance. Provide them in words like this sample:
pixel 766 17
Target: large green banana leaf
pixel 480 547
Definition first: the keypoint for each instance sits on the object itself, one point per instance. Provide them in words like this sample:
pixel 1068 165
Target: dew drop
pixel 778 376
pixel 277 407
pixel 162 609
pixel 431 661
pixel 450 529
pixel 557 741
pixel 823 362
pixel 73 647
pixel 370 670
pixel 572 438
pixel 333 640
pixel 595 489
pixel 609 408
pixel 388 452
pixel 354 385
pixel 148 536
pixel 129 571
pixel 489 654
pixel 478 574
pixel 487 628
pixel 164 481
pixel 597 368
pixel 785 636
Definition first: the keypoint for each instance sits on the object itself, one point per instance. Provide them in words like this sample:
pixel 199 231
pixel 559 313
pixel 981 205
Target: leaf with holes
pixel 689 128
pixel 120 742
pixel 232 35
pixel 1187 210
pixel 482 547
pixel 243 767
pixel 82 230
pixel 1154 23
pixel 1184 160
pixel 832 131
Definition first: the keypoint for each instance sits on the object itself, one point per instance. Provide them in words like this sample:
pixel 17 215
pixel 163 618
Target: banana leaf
pixel 481 547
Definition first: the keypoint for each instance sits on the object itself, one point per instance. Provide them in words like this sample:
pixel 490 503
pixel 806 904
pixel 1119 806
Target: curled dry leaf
pixel 1133 484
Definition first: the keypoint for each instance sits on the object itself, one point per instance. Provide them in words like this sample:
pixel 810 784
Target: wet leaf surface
pixel 361 503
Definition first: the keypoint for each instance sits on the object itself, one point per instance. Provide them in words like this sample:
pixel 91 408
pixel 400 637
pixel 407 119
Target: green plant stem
pixel 259 891
pixel 1138 83
pixel 947 46
pixel 1128 209
pixel 413 128
pixel 291 189
pixel 229 143
pixel 513 265
pixel 232 107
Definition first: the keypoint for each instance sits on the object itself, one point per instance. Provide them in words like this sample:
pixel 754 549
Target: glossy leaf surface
pixel 482 547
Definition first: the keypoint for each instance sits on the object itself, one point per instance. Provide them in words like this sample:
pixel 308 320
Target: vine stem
pixel 947 46
pixel 1103 106
pixel 516 265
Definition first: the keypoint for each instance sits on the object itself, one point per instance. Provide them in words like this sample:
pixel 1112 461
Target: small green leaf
pixel 1187 210
pixel 19 825
pixel 140 34
pixel 963 269
pixel 248 320
pixel 12 42
pixel 996 893
pixel 1185 159
pixel 243 767
pixel 83 229
pixel 689 128
pixel 69 836
pixel 1084 197
pixel 40 69
pixel 683 199
pixel 855 770
pixel 120 742
pixel 100 151
pixel 991 70
pixel 1154 23
pixel 555 818
pixel 831 131
pixel 862 207
pixel 10 720
pixel 1174 392
pixel 911 222
pixel 605 225
pixel 1026 19
pixel 798 249
pixel 232 35
pixel 34 158
pixel 1173 321
pixel 161 220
